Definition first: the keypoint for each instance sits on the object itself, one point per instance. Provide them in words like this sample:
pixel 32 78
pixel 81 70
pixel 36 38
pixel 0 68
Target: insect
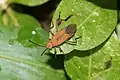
pixel 61 36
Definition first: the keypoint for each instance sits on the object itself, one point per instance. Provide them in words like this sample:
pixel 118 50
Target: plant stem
pixel 10 13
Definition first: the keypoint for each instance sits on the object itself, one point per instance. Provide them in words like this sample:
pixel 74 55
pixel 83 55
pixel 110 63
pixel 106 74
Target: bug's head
pixel 50 45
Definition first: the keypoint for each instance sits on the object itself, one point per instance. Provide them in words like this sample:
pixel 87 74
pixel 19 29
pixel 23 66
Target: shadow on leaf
pixel 56 63
pixel 108 4
pixel 87 52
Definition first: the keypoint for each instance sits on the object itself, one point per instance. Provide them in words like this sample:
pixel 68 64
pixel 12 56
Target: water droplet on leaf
pixel 33 32
pixel 93 61
pixel 11 42
pixel 96 13
pixel 94 21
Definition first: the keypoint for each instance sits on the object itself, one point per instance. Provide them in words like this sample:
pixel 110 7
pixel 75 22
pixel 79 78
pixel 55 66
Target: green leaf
pixel 118 30
pixel 29 27
pixel 1 17
pixel 12 18
pixel 18 62
pixel 19 58
pixel 29 2
pixel 111 74
pixel 101 62
pixel 95 21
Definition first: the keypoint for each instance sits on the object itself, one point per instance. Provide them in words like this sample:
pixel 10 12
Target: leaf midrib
pixel 88 16
pixel 34 64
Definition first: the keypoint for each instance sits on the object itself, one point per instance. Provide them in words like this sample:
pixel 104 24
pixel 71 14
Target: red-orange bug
pixel 61 36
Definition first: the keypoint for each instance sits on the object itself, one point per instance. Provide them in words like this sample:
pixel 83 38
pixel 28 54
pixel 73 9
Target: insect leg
pixel 55 52
pixel 51 32
pixel 73 42
pixel 61 50
pixel 51 28
pixel 59 21
pixel 77 38
pixel 67 17
pixel 52 25
pixel 39 45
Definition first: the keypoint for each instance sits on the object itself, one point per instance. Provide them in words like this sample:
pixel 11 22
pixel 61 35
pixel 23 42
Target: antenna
pixel 36 44
pixel 44 51
pixel 39 45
